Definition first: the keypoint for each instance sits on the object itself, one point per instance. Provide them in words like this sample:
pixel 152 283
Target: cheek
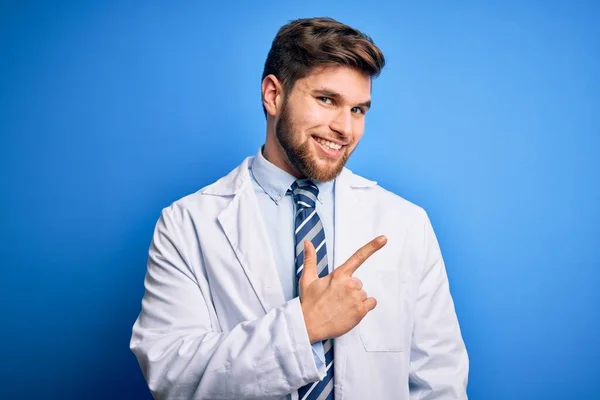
pixel 358 130
pixel 313 116
pixel 311 120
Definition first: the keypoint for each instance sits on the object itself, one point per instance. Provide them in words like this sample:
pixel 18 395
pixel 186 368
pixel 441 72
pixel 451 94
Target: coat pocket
pixel 385 327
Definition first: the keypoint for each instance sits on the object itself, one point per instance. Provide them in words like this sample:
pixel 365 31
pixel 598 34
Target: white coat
pixel 214 323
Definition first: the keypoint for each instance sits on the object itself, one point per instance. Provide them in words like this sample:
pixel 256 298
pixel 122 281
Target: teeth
pixel 329 144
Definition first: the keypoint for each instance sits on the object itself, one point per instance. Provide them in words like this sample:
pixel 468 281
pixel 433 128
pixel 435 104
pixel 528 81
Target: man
pixel 292 277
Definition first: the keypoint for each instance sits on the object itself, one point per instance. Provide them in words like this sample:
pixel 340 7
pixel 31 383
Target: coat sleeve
pixel 439 363
pixel 181 350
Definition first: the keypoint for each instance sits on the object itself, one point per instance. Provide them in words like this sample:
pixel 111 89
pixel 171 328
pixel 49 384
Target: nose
pixel 342 122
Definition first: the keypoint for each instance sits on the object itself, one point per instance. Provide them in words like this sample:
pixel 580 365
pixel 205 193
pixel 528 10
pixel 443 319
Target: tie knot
pixel 305 193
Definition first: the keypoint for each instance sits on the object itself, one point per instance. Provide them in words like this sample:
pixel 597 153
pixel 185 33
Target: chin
pixel 324 171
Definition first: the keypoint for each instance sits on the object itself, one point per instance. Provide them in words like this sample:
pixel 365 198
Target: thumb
pixel 309 271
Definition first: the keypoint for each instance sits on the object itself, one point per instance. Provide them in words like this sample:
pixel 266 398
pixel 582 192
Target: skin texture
pixel 328 104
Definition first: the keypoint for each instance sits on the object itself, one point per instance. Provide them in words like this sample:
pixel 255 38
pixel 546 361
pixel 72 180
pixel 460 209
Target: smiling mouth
pixel 331 149
pixel 328 143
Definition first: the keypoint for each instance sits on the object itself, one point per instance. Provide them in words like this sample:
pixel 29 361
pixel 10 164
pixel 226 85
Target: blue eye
pixel 325 100
pixel 358 110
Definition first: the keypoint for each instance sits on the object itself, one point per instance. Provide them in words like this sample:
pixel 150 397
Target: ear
pixel 272 94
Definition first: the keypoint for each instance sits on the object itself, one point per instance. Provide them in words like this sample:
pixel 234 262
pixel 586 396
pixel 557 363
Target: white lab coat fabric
pixel 214 323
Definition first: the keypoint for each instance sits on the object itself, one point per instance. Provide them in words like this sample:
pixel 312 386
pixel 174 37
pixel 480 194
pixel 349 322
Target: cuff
pixel 310 368
pixel 319 355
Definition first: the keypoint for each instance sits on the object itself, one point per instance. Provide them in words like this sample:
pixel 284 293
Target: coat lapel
pixel 247 235
pixel 349 237
pixel 349 215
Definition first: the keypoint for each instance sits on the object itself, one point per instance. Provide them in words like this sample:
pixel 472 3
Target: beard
pixel 299 153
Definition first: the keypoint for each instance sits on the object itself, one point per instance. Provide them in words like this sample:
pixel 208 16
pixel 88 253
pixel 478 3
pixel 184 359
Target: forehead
pixel 349 83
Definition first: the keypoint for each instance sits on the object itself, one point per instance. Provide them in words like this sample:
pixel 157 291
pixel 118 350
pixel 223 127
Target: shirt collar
pixel 275 181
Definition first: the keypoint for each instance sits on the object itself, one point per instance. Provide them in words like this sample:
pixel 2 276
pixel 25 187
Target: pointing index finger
pixel 362 254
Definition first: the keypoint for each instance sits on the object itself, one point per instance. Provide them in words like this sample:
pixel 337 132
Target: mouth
pixel 328 148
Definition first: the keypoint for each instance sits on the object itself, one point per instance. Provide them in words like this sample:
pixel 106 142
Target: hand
pixel 335 303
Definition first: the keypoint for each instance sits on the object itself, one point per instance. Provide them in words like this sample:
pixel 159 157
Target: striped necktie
pixel 308 226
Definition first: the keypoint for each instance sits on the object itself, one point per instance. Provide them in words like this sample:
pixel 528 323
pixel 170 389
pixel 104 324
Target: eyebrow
pixel 332 94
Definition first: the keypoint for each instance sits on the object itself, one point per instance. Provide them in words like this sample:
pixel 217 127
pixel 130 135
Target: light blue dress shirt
pixel 277 208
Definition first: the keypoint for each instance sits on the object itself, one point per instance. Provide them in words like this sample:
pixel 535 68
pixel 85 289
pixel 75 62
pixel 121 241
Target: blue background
pixel 486 115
